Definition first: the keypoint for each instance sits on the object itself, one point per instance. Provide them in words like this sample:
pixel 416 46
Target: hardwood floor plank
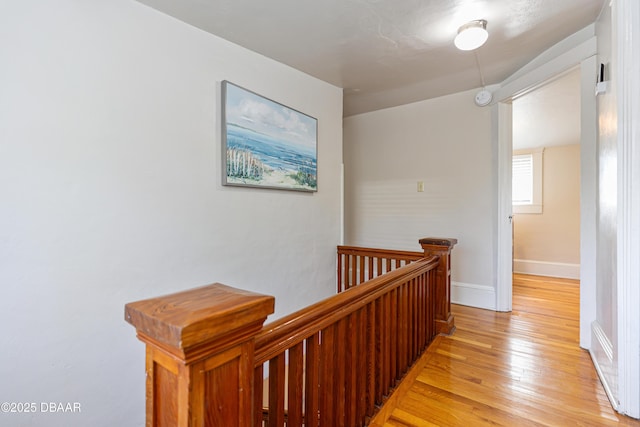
pixel 523 368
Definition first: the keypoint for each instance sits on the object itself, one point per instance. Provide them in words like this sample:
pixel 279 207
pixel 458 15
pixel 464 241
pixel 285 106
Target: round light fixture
pixel 472 35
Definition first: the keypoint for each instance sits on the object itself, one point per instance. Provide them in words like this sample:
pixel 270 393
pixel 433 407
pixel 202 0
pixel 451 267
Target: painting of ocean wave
pixel 266 144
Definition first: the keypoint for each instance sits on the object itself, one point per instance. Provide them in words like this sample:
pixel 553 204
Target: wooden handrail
pixel 357 265
pixel 358 344
pixel 299 325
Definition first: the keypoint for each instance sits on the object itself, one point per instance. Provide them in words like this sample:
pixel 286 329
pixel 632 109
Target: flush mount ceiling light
pixel 472 35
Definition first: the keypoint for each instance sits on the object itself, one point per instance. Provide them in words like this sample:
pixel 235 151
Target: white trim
pixel 602 357
pixel 576 39
pixel 549 70
pixel 527 209
pixel 472 295
pixel 546 268
pixel 502 121
pixel 342 204
pixel 627 36
pixel 588 201
pixel 600 337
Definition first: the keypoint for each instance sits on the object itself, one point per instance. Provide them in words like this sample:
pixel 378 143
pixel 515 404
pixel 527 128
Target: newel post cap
pixel 438 241
pixel 191 318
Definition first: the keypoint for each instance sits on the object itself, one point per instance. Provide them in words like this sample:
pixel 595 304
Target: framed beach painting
pixel 266 144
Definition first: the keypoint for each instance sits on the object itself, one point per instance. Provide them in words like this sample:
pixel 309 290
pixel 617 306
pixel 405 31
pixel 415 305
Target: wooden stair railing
pixel 334 362
pixel 357 265
pixel 358 344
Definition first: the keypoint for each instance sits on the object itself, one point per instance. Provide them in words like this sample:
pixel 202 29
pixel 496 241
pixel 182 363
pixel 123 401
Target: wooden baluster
pixel 347 266
pixel 380 318
pixel 276 391
pixel 404 336
pixel 339 372
pixel 433 302
pixel 339 273
pixel 200 353
pixel 312 381
pixel 422 313
pixel 442 247
pixel 371 363
pixel 414 302
pixel 296 368
pixel 327 377
pixel 389 321
pixel 354 271
pixel 361 368
pixel 394 335
pixel 351 367
pixel 411 321
pixel 258 396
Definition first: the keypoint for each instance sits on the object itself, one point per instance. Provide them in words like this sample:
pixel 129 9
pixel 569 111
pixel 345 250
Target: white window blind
pixel 527 181
pixel 522 179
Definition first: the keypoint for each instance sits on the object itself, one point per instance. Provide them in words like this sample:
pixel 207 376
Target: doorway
pixel 546 178
pixel 588 167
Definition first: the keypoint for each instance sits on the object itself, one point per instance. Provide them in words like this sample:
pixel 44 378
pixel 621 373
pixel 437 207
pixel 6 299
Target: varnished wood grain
pixel 189 318
pixel 365 338
pixel 523 368
pixel 435 246
pixel 165 411
pixel 200 355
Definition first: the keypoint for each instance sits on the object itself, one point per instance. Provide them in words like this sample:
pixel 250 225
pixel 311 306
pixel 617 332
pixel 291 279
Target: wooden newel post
pixel 200 355
pixel 442 247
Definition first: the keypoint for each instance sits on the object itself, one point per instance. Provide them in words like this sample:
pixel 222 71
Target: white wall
pixel 445 143
pixel 110 192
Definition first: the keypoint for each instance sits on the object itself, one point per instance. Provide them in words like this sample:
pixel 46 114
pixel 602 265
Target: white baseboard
pixel 545 268
pixel 472 295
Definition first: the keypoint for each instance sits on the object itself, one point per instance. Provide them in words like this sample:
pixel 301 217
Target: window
pixel 522 185
pixel 527 182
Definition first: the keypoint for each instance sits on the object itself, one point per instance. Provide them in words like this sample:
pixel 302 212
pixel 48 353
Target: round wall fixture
pixel 483 98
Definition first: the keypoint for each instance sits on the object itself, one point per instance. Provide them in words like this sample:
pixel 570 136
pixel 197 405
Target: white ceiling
pixel 389 52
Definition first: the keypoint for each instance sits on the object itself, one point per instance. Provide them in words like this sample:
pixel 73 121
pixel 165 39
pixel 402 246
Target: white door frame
pixel 552 66
pixel 501 115
pixel 588 198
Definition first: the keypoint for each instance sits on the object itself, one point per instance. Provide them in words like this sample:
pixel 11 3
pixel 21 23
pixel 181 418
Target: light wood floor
pixel 523 368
